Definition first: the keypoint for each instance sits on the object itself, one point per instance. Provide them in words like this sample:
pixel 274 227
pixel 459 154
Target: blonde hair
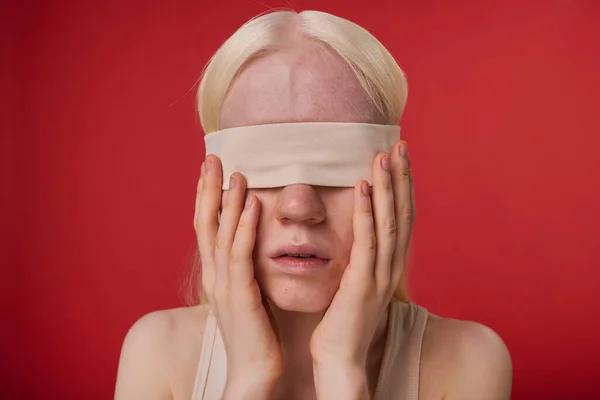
pixel 378 73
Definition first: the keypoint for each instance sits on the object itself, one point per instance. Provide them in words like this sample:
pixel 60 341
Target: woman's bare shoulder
pixel 166 330
pixel 171 323
pixel 464 360
pixel 162 347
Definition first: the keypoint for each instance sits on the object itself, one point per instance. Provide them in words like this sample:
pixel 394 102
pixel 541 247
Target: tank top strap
pixel 211 376
pixel 401 364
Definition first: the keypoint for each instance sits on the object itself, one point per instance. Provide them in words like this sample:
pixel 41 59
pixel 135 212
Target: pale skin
pixel 319 337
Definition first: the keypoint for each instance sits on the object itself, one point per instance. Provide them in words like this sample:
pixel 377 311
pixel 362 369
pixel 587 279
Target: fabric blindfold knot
pixel 335 154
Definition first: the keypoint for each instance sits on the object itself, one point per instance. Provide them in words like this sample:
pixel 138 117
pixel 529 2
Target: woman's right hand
pixel 254 358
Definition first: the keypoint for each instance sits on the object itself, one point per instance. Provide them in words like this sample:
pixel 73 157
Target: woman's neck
pixel 295 330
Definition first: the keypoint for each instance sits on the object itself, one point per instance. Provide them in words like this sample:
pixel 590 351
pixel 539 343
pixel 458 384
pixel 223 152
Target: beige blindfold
pixel 314 153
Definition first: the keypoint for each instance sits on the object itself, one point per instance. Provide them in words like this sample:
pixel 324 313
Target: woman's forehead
pixel 292 86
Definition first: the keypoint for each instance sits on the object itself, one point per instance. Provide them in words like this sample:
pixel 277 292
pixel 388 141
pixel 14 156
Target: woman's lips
pixel 300 265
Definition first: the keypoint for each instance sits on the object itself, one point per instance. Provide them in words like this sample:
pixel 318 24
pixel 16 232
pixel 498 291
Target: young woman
pixel 305 283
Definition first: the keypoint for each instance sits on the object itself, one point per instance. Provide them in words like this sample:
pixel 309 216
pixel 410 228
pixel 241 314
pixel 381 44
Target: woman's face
pixel 306 84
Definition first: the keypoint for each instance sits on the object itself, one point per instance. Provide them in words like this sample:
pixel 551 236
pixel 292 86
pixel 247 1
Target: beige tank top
pixel 398 377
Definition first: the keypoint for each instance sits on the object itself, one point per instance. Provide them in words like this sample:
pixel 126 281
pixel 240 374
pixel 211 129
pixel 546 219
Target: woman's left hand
pixel 382 228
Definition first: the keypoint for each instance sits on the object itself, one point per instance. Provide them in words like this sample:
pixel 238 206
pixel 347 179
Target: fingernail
pixel 208 165
pixel 248 202
pixel 403 149
pixel 385 163
pixel 202 169
pixel 364 188
pixel 232 182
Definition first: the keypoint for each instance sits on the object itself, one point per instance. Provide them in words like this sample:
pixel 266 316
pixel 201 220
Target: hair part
pixel 378 73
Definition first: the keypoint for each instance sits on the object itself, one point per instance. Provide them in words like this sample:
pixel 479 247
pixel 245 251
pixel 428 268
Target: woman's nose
pixel 300 203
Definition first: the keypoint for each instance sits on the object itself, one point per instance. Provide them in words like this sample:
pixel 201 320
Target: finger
pixel 228 224
pixel 198 194
pixel 241 273
pixel 412 197
pixel 362 255
pixel 385 220
pixel 404 206
pixel 209 200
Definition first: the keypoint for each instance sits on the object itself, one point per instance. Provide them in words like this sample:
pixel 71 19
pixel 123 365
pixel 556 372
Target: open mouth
pixel 302 259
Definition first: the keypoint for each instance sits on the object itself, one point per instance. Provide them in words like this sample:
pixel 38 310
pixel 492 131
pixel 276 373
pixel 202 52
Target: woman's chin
pixel 299 296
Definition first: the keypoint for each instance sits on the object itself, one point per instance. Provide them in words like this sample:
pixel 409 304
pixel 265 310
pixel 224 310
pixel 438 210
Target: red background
pixel 101 150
